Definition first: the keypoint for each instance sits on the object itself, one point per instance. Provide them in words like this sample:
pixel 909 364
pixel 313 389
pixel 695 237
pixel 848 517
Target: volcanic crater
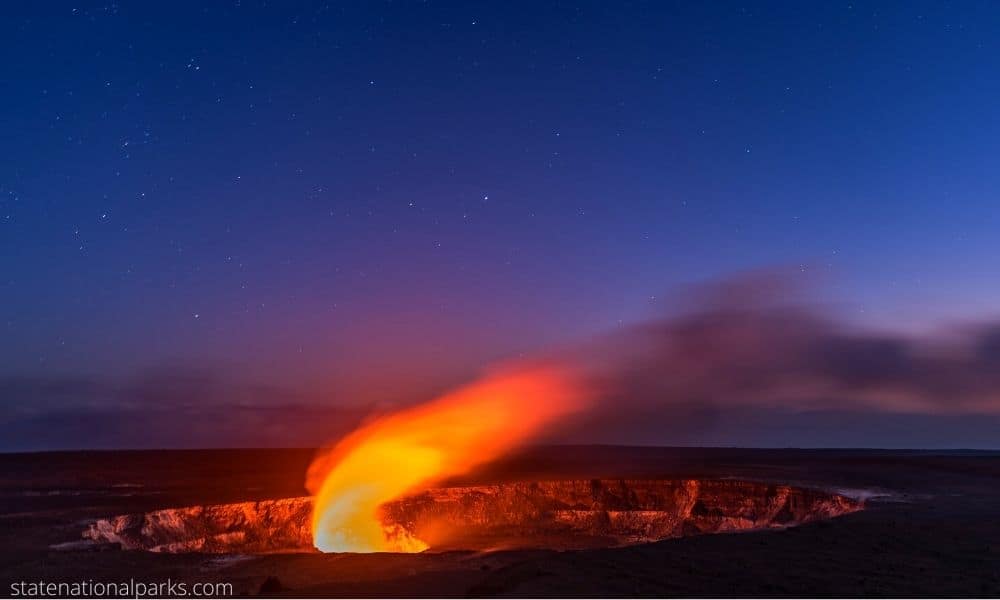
pixel 564 514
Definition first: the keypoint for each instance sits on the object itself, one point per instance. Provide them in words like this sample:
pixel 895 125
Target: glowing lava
pixel 413 448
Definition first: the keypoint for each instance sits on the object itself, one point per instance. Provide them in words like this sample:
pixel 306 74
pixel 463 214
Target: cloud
pixel 751 360
pixel 167 407
pixel 756 345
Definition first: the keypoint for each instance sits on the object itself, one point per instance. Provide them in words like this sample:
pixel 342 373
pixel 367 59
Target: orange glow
pixel 418 446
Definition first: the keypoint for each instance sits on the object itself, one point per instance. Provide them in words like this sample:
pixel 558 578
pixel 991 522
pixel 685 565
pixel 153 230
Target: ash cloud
pixel 755 349
pixel 748 361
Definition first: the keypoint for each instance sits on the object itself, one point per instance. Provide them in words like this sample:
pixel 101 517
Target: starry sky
pixel 305 209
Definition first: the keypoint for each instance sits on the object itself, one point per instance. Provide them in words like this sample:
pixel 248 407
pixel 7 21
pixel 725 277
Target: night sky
pixel 250 223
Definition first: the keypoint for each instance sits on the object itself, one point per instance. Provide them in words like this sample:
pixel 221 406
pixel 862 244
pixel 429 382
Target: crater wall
pixel 550 514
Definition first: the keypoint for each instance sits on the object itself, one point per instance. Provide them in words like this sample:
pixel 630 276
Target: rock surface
pixel 244 527
pixel 582 513
pixel 552 514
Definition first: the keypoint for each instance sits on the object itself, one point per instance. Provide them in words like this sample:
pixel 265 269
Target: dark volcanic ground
pixel 935 532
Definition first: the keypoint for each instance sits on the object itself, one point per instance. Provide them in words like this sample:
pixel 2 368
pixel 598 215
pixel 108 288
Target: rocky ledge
pixel 551 514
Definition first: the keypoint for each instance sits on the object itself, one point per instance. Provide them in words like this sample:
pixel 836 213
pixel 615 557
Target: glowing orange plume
pixel 448 436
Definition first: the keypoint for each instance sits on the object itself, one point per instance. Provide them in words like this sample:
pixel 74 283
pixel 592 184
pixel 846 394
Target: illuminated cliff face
pixel 584 513
pixel 246 527
pixel 554 514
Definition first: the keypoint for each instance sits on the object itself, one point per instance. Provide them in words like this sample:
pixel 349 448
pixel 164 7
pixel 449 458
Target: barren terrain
pixel 931 527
